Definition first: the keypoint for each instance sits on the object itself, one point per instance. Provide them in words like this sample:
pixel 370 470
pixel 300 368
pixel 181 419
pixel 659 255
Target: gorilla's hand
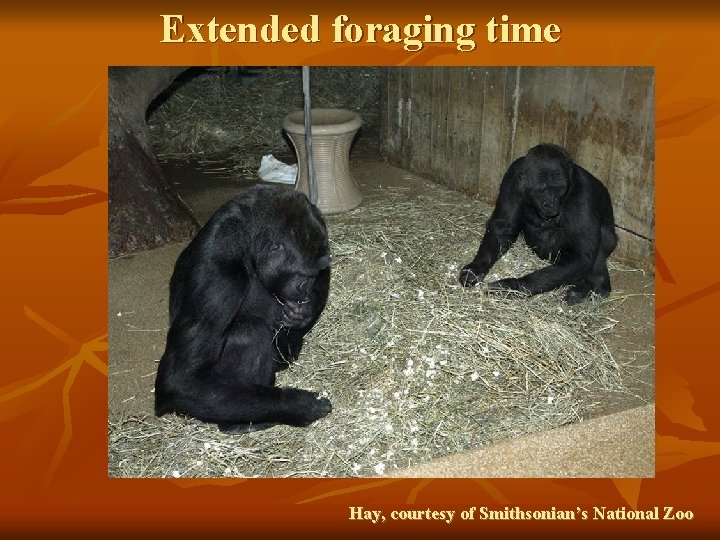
pixel 297 314
pixel 471 275
pixel 314 407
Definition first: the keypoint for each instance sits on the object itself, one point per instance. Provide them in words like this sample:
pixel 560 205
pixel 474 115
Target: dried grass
pixel 228 124
pixel 416 366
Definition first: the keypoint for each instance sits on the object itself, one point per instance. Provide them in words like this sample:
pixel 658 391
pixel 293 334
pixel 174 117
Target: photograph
pixel 441 271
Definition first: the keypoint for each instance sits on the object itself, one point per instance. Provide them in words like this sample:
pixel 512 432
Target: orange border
pixel 53 307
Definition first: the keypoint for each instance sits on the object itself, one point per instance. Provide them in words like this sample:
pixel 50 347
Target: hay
pixel 416 366
pixel 227 124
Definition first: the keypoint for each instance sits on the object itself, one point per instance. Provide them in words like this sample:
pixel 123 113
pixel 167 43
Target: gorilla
pixel 243 294
pixel 565 215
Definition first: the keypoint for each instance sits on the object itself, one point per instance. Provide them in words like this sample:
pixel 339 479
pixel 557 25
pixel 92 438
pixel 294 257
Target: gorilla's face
pixel 290 270
pixel 546 184
pixel 292 257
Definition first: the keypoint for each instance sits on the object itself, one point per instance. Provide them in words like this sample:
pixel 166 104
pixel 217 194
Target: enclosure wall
pixel 463 126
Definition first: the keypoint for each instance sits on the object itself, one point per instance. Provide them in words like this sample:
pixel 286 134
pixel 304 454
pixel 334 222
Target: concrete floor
pixel 620 443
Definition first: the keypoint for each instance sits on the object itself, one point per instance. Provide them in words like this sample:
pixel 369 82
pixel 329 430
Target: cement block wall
pixel 463 126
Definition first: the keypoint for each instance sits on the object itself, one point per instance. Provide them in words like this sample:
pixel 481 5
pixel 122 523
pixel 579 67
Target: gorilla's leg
pixel 243 397
pixel 597 281
pixel 241 429
pixel 236 406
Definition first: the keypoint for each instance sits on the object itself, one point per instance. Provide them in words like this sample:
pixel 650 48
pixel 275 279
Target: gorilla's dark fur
pixel 565 215
pixel 243 295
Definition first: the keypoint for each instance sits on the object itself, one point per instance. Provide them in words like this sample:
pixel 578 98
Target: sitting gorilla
pixel 243 295
pixel 565 215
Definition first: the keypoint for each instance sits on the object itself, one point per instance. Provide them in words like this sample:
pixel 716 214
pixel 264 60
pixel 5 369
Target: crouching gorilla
pixel 243 295
pixel 565 215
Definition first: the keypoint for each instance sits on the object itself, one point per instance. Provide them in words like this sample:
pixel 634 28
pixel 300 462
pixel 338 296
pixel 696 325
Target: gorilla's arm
pixel 501 231
pixel 548 278
pixel 208 286
pixel 575 260
pixel 197 335
pixel 289 341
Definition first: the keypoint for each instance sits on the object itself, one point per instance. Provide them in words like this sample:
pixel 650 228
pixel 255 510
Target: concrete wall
pixel 463 126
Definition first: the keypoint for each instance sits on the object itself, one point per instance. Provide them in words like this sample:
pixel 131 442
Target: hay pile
pixel 228 123
pixel 416 366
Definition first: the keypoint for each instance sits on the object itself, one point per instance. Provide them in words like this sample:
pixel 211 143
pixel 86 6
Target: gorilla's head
pixel 292 250
pixel 546 178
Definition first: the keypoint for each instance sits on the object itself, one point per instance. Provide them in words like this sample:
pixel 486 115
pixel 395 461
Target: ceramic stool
pixel 333 131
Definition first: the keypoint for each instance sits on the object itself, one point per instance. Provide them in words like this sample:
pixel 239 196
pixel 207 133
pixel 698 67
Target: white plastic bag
pixel 273 170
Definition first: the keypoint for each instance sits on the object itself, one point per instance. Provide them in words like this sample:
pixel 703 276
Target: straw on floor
pixel 415 365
